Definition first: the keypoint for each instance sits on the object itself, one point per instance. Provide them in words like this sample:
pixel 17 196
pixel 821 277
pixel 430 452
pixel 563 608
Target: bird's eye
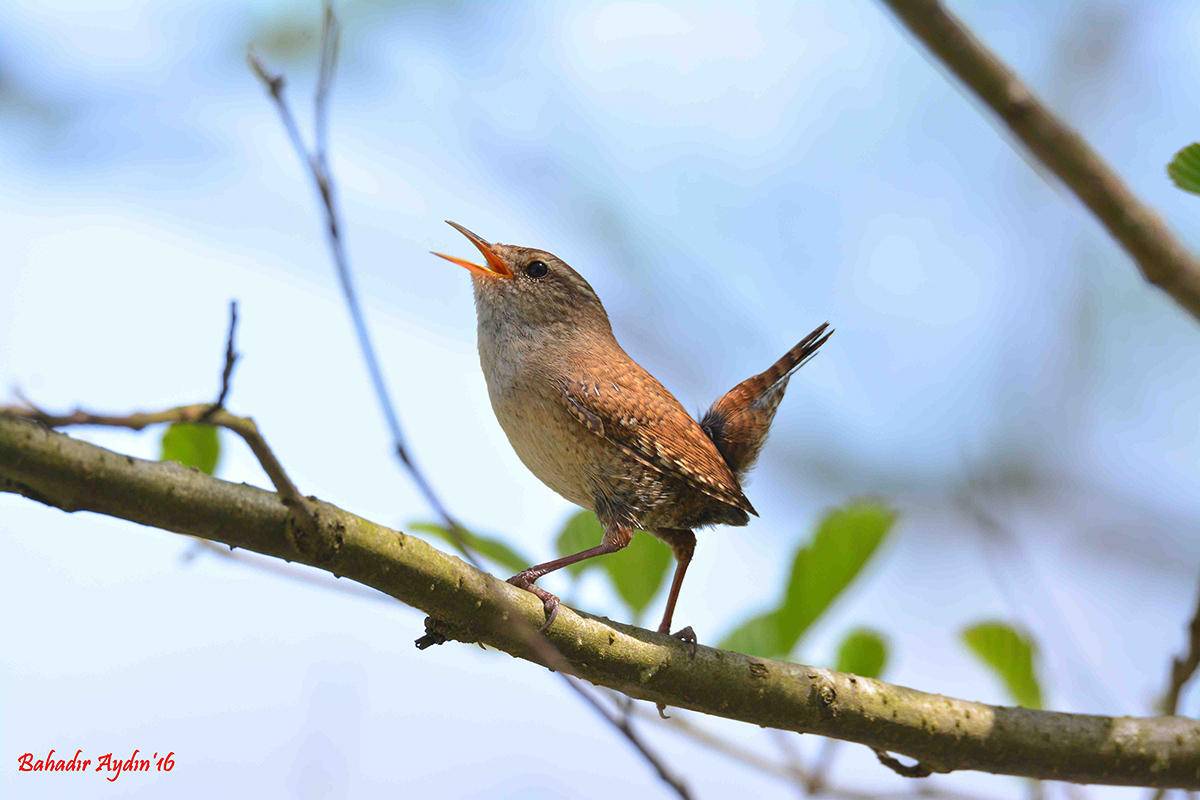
pixel 536 269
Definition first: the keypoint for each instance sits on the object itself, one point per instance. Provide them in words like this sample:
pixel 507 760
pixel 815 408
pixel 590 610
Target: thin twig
pixel 793 763
pixel 317 166
pixel 244 427
pixel 793 772
pixel 819 777
pixel 1162 258
pixel 231 357
pixel 1183 667
pixel 1030 597
pixel 321 580
pixel 624 724
pixel 317 163
pixel 331 39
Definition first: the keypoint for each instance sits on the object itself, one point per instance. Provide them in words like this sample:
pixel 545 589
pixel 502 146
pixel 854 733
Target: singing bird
pixel 595 427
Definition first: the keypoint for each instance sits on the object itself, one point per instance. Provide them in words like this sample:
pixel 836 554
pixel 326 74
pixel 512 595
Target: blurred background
pixel 726 180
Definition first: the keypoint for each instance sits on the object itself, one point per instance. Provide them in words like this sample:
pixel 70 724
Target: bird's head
pixel 529 288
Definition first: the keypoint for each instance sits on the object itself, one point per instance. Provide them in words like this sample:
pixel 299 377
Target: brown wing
pixel 632 410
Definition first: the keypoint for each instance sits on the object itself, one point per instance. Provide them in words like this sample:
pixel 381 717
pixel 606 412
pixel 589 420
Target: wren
pixel 598 429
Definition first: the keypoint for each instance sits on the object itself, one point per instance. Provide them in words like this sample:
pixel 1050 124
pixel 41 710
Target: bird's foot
pixel 525 580
pixel 685 635
pixel 688 636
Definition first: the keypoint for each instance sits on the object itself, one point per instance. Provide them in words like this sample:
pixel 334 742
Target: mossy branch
pixel 942 733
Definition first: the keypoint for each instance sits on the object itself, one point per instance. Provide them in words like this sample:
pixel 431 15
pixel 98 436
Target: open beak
pixel 496 268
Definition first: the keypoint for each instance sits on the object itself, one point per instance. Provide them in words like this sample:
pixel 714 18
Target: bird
pixel 597 428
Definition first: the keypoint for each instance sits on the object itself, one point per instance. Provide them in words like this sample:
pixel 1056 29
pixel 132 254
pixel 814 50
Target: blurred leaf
pixel 757 636
pixel 582 531
pixel 1184 168
pixel 492 549
pixel 863 652
pixel 192 445
pixel 822 569
pixel 1010 655
pixel 637 572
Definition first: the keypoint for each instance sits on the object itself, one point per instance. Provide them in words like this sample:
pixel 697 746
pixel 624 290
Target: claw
pixel 525 580
pixel 688 637
pixel 522 580
pixel 685 635
pixel 550 604
pixel 662 710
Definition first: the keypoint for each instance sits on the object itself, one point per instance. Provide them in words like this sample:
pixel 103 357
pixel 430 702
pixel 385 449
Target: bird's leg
pixel 615 538
pixel 683 544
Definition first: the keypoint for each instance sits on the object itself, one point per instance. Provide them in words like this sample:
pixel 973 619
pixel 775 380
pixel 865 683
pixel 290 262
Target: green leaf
pixel 490 548
pixel 1010 655
pixel 757 636
pixel 863 652
pixel 192 445
pixel 1184 168
pixel 822 569
pixel 637 572
pixel 582 531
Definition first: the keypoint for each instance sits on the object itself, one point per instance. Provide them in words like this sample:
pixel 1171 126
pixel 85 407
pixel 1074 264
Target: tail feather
pixel 739 421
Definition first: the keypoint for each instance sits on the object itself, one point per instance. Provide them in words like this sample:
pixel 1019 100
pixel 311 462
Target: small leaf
pixel 637 572
pixel 1184 168
pixel 192 445
pixel 1010 655
pixel 822 569
pixel 757 636
pixel 582 531
pixel 490 548
pixel 863 652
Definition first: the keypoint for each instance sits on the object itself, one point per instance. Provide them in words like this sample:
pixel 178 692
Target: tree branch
pixel 942 733
pixel 1162 259
pixel 205 414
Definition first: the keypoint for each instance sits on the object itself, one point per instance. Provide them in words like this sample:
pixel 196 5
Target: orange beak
pixel 496 268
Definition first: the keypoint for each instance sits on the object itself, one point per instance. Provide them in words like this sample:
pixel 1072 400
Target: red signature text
pixel 109 763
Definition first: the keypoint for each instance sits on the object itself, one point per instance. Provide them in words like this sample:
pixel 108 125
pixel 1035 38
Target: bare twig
pixel 818 780
pixel 1031 596
pixel 791 772
pixel 1183 667
pixel 231 358
pixel 1163 259
pixel 317 163
pixel 331 40
pixel 624 724
pixel 244 427
pixel 793 763
pixel 320 580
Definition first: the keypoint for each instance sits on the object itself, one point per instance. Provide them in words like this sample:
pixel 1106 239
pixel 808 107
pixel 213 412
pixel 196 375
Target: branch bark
pixel 942 733
pixel 1162 259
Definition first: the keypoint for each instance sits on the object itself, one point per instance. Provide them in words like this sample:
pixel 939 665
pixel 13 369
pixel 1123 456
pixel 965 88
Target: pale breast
pixel 548 440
